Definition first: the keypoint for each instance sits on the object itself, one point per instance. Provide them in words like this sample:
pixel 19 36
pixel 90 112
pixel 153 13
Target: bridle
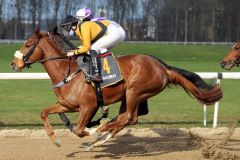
pixel 25 58
pixel 30 52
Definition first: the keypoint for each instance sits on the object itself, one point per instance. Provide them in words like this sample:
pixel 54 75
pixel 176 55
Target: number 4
pixel 106 66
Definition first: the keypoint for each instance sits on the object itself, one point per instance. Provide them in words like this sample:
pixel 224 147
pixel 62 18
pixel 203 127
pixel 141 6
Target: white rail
pixel 204 75
pixel 12 41
pixel 24 76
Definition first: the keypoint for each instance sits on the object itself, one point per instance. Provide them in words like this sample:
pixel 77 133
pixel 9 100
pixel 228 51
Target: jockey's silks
pixel 87 31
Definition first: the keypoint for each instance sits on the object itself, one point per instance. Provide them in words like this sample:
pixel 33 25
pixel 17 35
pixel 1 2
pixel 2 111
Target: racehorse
pixel 143 77
pixel 232 58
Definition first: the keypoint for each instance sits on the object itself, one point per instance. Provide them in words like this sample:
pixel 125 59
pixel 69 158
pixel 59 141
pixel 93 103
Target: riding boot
pixel 95 75
pixel 85 64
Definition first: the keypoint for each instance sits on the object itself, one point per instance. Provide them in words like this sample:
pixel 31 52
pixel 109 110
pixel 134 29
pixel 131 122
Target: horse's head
pixel 29 53
pixel 35 49
pixel 232 58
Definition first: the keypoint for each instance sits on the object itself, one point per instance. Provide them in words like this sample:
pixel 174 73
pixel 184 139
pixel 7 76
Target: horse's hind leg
pixel 56 108
pixel 128 113
pixel 104 138
pixel 102 127
pixel 114 127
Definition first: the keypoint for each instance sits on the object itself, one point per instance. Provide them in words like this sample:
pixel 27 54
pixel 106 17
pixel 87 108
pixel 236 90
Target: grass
pixel 21 101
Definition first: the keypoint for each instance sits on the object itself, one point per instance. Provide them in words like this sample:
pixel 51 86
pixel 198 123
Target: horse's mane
pixel 62 43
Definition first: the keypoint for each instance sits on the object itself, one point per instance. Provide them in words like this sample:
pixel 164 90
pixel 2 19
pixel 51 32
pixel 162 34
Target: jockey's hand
pixel 70 53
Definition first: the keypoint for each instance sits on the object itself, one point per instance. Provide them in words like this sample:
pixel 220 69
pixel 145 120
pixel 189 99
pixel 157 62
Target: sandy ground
pixel 159 144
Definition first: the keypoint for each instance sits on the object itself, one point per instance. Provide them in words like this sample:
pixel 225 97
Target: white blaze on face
pixel 18 55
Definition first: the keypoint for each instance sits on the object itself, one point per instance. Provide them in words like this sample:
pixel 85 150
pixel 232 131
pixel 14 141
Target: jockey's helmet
pixel 84 13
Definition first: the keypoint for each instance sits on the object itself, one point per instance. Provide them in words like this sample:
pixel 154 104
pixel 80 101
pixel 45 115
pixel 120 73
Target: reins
pixel 53 58
pixel 28 64
pixel 30 52
pixel 67 76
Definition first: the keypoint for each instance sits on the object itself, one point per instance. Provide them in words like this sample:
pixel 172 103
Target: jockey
pixel 97 35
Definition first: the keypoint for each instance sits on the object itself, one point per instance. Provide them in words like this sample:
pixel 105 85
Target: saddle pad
pixel 110 71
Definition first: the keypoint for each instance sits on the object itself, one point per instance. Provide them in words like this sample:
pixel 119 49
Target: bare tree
pixel 164 20
pixel 71 6
pixel 91 4
pixel 148 20
pixel 1 15
pixel 119 9
pixel 33 12
pixel 237 13
pixel 20 6
pixel 132 9
pixel 68 7
pixel 56 7
pixel 176 22
pixel 40 11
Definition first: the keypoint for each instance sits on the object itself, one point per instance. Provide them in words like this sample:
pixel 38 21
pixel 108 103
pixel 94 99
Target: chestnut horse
pixel 232 58
pixel 143 77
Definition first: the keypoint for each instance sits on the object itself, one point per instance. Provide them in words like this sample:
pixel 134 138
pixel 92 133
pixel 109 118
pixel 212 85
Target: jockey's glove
pixel 70 53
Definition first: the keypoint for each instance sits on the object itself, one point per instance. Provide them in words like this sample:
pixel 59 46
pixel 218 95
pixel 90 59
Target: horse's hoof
pixel 73 130
pixel 91 131
pixel 89 149
pixel 58 143
pixel 97 134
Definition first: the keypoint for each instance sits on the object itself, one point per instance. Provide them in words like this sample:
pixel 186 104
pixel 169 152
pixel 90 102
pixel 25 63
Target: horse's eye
pixel 236 46
pixel 27 45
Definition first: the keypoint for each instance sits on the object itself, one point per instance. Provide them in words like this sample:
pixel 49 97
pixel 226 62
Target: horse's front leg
pixel 85 116
pixel 56 108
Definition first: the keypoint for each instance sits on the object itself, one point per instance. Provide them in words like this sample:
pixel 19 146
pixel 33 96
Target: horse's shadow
pixel 130 145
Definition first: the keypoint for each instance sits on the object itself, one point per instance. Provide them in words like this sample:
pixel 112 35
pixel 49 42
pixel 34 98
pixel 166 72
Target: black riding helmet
pixel 68 22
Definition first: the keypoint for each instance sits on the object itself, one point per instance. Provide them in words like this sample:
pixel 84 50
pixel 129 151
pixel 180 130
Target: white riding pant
pixel 114 35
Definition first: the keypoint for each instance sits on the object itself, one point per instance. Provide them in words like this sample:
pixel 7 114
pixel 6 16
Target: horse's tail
pixel 195 85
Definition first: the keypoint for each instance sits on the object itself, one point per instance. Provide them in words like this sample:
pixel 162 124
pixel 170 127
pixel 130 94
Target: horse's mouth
pixel 15 67
pixel 227 65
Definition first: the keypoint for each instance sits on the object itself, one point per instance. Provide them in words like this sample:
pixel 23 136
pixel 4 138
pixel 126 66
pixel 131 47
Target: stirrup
pixel 89 78
pixel 96 78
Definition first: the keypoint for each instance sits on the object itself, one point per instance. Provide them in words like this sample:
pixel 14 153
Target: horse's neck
pixel 56 69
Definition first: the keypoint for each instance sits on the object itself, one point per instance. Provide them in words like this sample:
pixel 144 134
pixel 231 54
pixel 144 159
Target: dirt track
pixel 160 144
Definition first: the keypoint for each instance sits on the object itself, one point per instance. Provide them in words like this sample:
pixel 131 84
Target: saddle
pixel 107 64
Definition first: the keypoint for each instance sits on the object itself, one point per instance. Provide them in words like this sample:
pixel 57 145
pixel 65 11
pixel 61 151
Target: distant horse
pixel 143 77
pixel 232 58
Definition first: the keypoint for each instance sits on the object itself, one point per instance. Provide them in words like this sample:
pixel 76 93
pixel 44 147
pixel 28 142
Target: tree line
pixel 155 20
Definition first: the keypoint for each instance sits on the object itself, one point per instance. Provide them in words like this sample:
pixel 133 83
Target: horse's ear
pixel 37 31
pixel 55 30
